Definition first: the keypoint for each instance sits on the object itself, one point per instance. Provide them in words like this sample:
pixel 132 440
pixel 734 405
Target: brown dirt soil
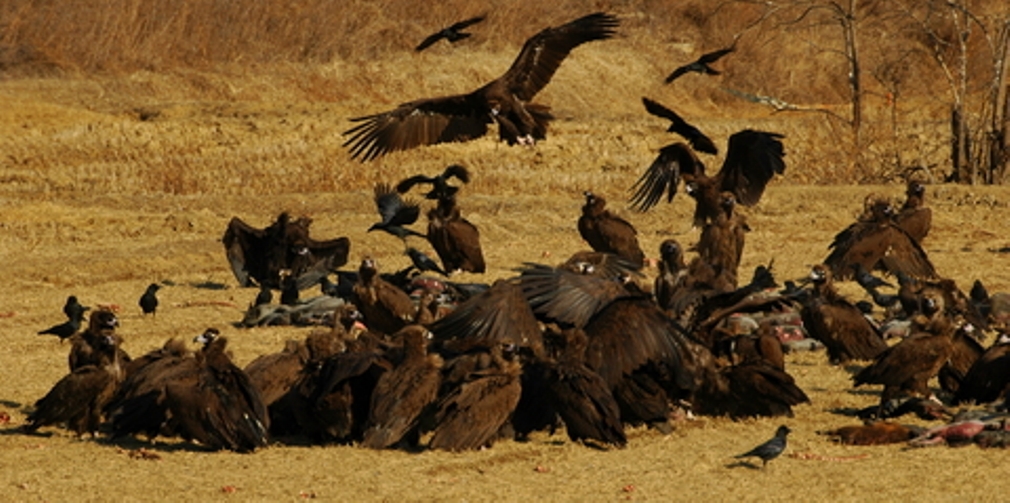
pixel 98 203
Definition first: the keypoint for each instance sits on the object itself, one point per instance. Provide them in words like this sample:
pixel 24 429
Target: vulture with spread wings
pixel 752 159
pixel 505 100
pixel 257 256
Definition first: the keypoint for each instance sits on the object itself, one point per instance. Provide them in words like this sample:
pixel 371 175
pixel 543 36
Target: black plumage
pixel 699 142
pixel 67 328
pixel 453 33
pixel 770 449
pixel 700 65
pixel 423 262
pixel 395 212
pixel 73 308
pixel 149 300
pixel 440 188
pixel 505 100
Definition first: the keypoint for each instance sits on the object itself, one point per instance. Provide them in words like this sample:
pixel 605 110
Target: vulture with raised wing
pixel 877 243
pixel 752 159
pixel 453 33
pixel 505 100
pixel 257 256
pixel 700 65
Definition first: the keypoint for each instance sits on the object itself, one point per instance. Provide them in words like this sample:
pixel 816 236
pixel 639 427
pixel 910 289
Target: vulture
pixel 222 410
pixel 965 352
pixel 832 319
pixel 440 188
pixel 721 243
pixel 80 397
pixel 505 100
pixel 471 415
pixel 913 217
pixel 988 378
pixel 257 256
pixel 88 347
pixel 500 315
pixel 405 391
pixel 700 65
pixel 876 242
pixel 752 159
pixel 139 403
pixel 609 233
pixel 275 374
pixel 454 238
pixel 395 212
pixel 453 33
pixel 385 307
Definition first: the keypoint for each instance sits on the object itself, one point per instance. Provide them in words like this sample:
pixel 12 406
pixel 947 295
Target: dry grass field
pixel 112 180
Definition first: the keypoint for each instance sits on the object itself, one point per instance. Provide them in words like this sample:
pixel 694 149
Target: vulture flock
pixel 410 358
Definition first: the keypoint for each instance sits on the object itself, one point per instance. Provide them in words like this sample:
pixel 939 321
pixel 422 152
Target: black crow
pixel 770 449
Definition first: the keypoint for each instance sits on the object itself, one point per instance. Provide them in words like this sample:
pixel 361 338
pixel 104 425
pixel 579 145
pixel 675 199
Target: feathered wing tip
pixel 663 175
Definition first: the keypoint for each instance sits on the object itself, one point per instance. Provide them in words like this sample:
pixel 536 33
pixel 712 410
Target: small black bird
pixel 423 262
pixel 149 301
pixel 395 212
pixel 68 328
pixel 770 449
pixel 72 308
pixel 701 64
pixel 452 33
pixel 867 280
pixel 678 125
pixel 440 188
pixel 265 296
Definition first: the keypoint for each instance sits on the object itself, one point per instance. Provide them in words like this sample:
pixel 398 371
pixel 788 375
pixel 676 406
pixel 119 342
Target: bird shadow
pixel 133 443
pixel 10 404
pixel 744 464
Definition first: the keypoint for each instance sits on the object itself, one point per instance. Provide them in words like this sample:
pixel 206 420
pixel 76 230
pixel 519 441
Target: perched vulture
pixel 832 319
pixel 700 65
pixel 80 397
pixel 88 347
pixel 453 33
pixel 275 374
pixel 139 403
pixel 257 256
pixel 454 238
pixel 721 242
pixel 609 233
pixel 405 391
pixel 386 308
pixel 505 100
pixel 752 159
pixel 395 212
pixel 876 242
pixel 914 217
pixel 989 376
pixel 440 188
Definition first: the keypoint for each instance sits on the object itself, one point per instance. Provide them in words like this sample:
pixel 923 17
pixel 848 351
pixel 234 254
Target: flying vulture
pixel 505 100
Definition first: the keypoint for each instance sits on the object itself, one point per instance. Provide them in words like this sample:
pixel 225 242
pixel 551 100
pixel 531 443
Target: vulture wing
pixel 663 175
pixel 752 159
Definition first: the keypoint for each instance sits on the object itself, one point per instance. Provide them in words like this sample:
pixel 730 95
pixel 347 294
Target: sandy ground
pixel 74 222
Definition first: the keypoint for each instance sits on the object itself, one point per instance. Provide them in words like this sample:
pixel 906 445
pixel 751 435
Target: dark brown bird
pixel 877 243
pixel 453 33
pixel 722 239
pixel 700 65
pixel 876 433
pixel 395 212
pixel 914 217
pixel 609 233
pixel 403 393
pixel 752 159
pixel 88 346
pixel 505 100
pixel 257 256
pixel 440 188
pixel 965 352
pixel 699 142
pixel 275 374
pixel 223 410
pixel 139 403
pixel 80 397
pixel 149 300
pixel 471 415
pixel 385 307
pixel 454 238
pixel 672 275
pixel 832 319
pixel 989 376
pixel 906 368
pixel 498 316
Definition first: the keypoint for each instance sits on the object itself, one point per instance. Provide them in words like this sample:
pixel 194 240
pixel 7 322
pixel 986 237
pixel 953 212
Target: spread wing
pixel 393 209
pixel 429 121
pixel 664 175
pixel 883 247
pixel 567 297
pixel 543 53
pixel 500 315
pixel 752 159
pixel 242 245
pixel 712 57
pixel 430 40
pixel 678 125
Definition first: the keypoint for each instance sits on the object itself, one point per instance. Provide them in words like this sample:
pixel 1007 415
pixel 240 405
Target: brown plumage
pixel 905 368
pixel 752 160
pixel 80 397
pixel 454 238
pixel 88 346
pixel 500 315
pixel 877 433
pixel 721 242
pixel 580 396
pixel 914 217
pixel 764 346
pixel 965 351
pixel 403 393
pixel 139 403
pixel 505 100
pixel 472 415
pixel 609 233
pixel 385 307
pixel 988 378
pixel 833 320
pixel 275 374
pixel 224 410
pixel 876 242
pixel 672 275
pixel 259 255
